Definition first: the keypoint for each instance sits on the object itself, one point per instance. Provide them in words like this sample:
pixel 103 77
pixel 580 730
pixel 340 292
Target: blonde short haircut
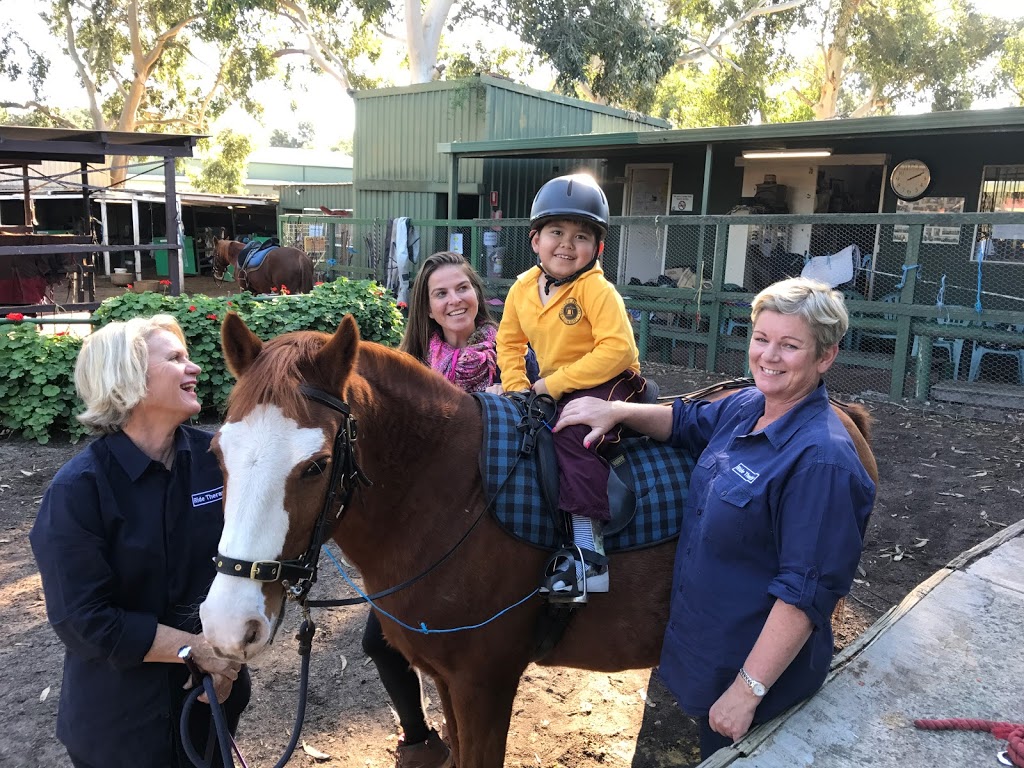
pixel 110 374
pixel 822 308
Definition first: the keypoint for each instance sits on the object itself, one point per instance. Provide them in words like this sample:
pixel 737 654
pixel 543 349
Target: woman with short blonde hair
pixel 110 375
pixel 821 307
pixel 125 539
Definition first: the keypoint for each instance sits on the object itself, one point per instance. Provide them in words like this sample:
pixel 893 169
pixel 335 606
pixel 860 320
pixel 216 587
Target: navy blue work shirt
pixel 775 514
pixel 123 544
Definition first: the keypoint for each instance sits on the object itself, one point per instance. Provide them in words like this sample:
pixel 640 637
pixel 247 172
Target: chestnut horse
pixel 281 266
pixel 418 442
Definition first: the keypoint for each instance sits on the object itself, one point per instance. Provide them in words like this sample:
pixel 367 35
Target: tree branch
pixel 41 109
pixel 87 82
pixel 763 8
pixel 702 51
pixel 320 53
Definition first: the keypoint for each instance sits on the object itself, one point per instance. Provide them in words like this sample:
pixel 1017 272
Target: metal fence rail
pixel 933 297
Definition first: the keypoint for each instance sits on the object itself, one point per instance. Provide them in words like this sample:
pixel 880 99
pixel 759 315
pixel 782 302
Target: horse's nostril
pixel 252 628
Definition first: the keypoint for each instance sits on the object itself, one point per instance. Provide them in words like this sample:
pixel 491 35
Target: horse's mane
pixel 406 378
pixel 286 361
pixel 277 372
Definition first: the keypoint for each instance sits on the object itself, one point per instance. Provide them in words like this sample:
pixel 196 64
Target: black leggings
pixel 400 681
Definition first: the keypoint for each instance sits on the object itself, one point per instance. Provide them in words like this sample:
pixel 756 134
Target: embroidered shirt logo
pixel 571 313
pixel 746 473
pixel 211 496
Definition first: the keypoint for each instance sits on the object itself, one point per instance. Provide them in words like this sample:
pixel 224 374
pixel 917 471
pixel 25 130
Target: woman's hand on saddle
pixel 540 387
pixel 732 714
pixel 599 415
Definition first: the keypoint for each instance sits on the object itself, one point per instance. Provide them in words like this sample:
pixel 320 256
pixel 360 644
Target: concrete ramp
pixel 953 648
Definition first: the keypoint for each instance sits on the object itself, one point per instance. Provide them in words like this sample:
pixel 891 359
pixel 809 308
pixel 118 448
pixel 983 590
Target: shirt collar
pixel 780 431
pixel 131 457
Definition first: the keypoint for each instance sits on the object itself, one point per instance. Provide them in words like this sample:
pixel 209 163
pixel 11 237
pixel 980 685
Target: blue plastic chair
pixel 979 350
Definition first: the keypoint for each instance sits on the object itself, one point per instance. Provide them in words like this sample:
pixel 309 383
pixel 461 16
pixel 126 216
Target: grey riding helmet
pixel 576 196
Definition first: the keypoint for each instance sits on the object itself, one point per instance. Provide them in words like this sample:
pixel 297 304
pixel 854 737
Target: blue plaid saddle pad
pixel 251 257
pixel 661 482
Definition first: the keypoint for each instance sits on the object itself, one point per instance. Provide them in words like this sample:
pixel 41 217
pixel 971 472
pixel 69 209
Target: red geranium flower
pixel 231 303
pixel 165 282
pixel 285 291
pixel 15 316
pixel 192 308
pixel 321 282
pixel 402 305
pixel 129 286
pixel 61 333
pixel 274 289
pixel 211 317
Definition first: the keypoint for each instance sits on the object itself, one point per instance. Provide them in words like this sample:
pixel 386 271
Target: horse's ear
pixel 241 346
pixel 338 356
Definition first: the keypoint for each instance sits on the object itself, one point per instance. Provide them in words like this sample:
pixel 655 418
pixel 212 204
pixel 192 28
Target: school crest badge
pixel 571 312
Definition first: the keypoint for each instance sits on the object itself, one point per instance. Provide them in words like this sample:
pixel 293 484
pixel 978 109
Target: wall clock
pixel 910 179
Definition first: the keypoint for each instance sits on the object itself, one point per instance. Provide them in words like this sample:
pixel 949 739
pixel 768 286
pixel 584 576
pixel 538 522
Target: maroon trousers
pixel 582 472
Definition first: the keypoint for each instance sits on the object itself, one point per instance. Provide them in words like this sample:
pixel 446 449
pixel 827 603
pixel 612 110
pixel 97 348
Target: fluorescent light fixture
pixel 781 154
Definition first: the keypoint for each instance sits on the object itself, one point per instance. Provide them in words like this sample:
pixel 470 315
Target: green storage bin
pixel 190 257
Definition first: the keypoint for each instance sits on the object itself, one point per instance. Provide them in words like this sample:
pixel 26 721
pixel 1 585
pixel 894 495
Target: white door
pixel 643 246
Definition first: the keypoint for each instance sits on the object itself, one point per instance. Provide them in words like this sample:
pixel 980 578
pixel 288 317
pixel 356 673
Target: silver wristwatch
pixel 758 689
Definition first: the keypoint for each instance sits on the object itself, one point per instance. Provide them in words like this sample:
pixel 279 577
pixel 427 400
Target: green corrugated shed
pixel 399 171
pixel 295 198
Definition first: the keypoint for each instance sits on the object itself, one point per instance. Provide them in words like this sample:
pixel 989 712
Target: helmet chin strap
pixel 554 282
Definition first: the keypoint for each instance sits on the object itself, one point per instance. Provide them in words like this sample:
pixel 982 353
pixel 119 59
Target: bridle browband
pixel 298 576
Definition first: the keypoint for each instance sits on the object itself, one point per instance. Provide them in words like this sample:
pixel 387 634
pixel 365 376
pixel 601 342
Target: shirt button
pixel 700 512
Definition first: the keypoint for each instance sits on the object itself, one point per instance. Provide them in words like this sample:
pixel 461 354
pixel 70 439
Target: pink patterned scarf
pixel 473 367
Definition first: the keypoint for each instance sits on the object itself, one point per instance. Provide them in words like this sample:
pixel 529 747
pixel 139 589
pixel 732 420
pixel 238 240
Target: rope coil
pixel 1013 733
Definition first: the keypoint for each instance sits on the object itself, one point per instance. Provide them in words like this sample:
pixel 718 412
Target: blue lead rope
pixel 903 279
pixel 422 628
pixel 977 300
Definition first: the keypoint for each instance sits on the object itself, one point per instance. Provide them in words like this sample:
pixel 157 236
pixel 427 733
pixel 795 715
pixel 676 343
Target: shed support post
pixel 137 235
pixel 175 263
pixel 106 235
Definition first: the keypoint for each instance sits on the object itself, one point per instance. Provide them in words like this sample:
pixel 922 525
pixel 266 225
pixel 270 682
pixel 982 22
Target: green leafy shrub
pixel 37 386
pixel 37 393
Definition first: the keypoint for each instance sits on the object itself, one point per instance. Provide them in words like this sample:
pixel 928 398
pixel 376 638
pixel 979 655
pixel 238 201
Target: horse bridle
pixel 298 576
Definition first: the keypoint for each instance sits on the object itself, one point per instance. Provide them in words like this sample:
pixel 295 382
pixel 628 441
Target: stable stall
pixel 30 260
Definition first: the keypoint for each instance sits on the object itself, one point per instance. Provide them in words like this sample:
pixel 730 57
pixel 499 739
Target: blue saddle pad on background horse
pixel 661 482
pixel 251 257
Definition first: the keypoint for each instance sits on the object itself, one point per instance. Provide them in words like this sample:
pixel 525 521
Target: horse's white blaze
pixel 259 453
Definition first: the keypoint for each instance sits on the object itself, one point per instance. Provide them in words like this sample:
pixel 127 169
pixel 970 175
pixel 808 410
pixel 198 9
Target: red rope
pixel 1012 732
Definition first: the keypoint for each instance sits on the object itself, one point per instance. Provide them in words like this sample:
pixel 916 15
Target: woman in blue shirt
pixel 124 540
pixel 774 523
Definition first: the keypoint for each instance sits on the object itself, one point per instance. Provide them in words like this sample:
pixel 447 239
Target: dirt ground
pixel 946 484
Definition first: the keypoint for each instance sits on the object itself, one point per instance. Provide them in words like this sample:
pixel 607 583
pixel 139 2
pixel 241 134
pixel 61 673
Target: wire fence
pixel 936 301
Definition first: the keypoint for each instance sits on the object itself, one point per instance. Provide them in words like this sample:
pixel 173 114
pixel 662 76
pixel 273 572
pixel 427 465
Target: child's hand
pixel 540 387
pixel 495 389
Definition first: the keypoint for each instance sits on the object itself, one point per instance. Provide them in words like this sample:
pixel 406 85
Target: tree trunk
pixel 423 35
pixel 835 60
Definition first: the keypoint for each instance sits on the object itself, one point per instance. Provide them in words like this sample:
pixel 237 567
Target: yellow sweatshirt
pixel 582 337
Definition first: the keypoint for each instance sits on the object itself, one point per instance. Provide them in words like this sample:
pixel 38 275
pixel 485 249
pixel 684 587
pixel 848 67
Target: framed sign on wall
pixel 933 234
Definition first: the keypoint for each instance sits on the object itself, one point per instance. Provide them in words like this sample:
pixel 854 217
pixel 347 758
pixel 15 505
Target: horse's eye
pixel 316 468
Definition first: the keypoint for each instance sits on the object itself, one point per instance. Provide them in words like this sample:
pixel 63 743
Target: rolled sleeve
pixel 820 521
pixel 79 582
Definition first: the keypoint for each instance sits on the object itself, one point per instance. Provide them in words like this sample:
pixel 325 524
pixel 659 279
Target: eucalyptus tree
pixel 848 58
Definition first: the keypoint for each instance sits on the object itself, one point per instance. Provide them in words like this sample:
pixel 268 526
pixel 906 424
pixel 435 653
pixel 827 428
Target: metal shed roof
pixel 509 85
pixel 29 144
pixel 753 136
